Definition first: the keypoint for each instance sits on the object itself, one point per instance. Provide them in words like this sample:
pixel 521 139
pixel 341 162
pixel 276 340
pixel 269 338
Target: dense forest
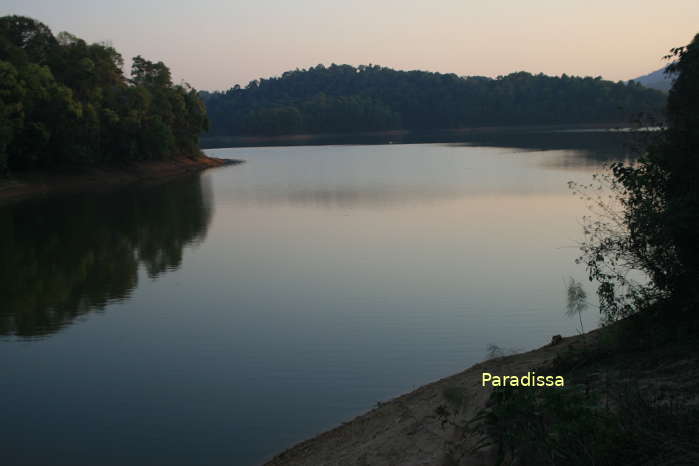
pixel 67 103
pixel 342 98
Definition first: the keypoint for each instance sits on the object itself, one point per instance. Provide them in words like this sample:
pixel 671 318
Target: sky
pixel 215 44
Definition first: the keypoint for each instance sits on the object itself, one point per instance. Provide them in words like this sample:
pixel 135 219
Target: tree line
pixel 343 98
pixel 67 103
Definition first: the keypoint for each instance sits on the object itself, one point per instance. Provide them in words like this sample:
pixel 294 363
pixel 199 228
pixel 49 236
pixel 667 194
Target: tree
pixel 654 230
pixel 148 73
pixel 30 36
pixel 11 110
pixel 66 103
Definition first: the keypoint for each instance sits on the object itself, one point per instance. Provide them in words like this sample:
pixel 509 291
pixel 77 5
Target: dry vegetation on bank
pixel 651 385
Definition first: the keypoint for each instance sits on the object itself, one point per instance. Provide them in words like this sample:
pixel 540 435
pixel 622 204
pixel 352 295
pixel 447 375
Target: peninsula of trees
pixel 343 98
pixel 65 103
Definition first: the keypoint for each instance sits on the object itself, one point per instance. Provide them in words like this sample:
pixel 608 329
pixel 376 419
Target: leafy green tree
pixel 66 103
pixel 30 36
pixel 148 73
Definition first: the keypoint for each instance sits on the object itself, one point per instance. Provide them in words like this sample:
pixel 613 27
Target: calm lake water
pixel 219 318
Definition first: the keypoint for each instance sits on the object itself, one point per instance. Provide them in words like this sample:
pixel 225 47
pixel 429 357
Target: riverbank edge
pixel 405 429
pixel 34 184
pixel 394 136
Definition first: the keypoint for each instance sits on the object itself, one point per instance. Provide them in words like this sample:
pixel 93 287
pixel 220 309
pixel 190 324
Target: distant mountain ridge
pixel 656 80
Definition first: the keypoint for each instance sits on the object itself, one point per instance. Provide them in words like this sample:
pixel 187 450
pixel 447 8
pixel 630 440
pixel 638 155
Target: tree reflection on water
pixel 66 256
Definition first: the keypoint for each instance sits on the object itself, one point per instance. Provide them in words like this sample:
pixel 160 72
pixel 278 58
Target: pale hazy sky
pixel 214 44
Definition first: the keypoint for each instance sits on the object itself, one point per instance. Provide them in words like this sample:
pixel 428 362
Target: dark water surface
pixel 219 318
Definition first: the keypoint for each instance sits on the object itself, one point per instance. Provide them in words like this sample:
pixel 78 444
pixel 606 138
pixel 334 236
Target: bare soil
pixel 407 431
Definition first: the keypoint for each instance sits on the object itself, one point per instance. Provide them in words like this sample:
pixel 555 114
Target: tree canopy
pixel 343 98
pixel 66 103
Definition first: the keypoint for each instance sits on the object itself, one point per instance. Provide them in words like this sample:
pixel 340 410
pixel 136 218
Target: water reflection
pixel 330 278
pixel 580 149
pixel 347 197
pixel 64 257
pixel 403 175
pixel 591 145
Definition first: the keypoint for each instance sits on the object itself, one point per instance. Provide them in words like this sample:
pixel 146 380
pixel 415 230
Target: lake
pixel 221 317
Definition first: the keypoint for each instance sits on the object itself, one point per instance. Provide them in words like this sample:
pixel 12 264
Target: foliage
pixel 572 427
pixel 544 426
pixel 66 103
pixel 343 98
pixel 538 426
pixel 576 301
pixel 649 224
pixel 595 419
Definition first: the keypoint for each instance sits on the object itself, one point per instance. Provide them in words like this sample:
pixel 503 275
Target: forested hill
pixel 658 79
pixel 342 98
pixel 66 103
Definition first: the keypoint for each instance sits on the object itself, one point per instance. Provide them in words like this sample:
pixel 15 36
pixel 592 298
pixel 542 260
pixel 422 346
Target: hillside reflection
pixel 584 148
pixel 67 256
pixel 591 145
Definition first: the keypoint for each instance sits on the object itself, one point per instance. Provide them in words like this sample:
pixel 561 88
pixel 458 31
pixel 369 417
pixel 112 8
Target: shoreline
pixel 394 136
pixel 408 430
pixel 34 184
pixel 405 429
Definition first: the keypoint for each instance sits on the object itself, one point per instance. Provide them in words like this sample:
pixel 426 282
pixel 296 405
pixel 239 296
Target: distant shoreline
pixel 398 136
pixel 33 184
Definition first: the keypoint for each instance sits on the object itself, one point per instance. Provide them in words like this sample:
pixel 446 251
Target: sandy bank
pixel 405 430
pixel 39 183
